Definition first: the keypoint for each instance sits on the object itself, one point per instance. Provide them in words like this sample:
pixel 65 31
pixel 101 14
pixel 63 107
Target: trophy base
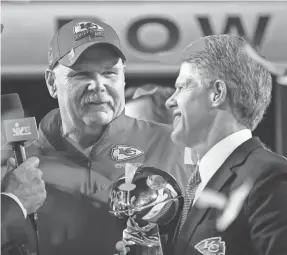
pixel 144 250
pixel 138 249
pixel 137 242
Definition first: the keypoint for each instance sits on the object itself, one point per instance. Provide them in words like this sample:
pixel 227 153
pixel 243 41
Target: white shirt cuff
pixel 18 202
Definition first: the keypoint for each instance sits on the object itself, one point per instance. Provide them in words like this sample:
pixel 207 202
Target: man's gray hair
pixel 248 83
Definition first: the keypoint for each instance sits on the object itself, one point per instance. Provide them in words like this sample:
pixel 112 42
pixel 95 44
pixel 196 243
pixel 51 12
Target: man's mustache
pixel 96 99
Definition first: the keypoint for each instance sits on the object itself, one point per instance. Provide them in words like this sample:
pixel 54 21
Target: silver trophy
pixel 149 199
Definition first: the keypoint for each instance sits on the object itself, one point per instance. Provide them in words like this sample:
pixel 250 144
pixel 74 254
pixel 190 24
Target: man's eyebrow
pixel 186 81
pixel 113 67
pixel 71 73
pixel 177 84
pixel 74 72
pixel 189 79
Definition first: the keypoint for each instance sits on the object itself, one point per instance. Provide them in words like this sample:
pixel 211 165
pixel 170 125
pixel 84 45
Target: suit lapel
pixel 219 179
pixel 195 215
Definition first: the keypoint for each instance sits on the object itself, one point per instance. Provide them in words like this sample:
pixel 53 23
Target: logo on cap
pixel 83 29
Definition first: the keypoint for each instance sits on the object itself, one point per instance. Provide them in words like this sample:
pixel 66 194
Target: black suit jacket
pixel 17 234
pixel 261 226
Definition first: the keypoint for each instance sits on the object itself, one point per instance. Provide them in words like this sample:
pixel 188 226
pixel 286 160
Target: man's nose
pixel 171 102
pixel 97 83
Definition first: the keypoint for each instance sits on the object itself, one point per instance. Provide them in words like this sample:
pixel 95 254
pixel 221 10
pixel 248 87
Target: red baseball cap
pixel 75 37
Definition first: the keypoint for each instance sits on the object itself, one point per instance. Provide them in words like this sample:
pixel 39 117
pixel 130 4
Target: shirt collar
pixel 216 156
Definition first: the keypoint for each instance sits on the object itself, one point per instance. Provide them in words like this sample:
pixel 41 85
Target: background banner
pixel 152 33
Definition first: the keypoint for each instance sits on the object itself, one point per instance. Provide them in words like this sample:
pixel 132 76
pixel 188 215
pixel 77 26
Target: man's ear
pixel 51 82
pixel 124 70
pixel 218 93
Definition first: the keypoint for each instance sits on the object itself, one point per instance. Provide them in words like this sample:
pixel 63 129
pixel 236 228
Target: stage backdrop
pixel 152 32
pixel 152 35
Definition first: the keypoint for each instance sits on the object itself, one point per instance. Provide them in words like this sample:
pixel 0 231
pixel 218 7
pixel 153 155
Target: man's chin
pixel 98 119
pixel 176 138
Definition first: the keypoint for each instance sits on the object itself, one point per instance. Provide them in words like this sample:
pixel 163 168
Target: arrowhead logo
pixel 211 246
pixel 124 152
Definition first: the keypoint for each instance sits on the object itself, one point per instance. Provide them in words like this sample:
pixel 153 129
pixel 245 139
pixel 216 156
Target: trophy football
pixel 149 199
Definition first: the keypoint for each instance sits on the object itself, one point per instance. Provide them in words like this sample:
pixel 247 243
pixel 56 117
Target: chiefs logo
pixel 124 152
pixel 211 246
pixel 84 28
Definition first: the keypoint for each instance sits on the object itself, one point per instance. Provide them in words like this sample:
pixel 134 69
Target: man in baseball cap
pixel 75 37
pixel 84 144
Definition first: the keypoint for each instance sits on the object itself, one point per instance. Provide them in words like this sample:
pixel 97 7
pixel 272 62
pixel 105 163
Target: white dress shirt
pixel 216 156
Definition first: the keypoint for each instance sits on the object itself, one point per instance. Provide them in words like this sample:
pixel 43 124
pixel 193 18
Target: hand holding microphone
pixel 25 182
pixel 22 178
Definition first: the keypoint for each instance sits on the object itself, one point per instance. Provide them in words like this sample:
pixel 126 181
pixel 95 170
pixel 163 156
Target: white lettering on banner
pixel 148 34
pixel 173 37
pixel 235 22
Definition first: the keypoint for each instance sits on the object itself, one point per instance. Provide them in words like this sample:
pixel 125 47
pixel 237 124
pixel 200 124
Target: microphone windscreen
pixel 11 107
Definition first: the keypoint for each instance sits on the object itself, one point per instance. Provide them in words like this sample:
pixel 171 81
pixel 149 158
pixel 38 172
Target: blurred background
pixel 152 34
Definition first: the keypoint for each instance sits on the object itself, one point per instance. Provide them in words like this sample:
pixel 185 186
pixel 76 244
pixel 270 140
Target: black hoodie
pixel 75 217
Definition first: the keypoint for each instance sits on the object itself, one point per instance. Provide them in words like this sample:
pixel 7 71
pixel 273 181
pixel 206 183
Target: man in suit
pixel 23 192
pixel 221 96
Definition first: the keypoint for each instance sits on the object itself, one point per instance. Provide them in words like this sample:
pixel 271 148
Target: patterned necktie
pixel 192 185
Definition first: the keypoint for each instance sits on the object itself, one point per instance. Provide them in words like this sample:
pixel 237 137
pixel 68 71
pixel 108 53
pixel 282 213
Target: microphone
pixel 19 132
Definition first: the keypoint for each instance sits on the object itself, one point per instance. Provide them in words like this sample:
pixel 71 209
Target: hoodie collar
pixel 50 135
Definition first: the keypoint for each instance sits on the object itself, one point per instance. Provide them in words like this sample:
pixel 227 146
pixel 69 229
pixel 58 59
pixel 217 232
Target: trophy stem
pixel 159 250
pixel 128 197
pixel 142 240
